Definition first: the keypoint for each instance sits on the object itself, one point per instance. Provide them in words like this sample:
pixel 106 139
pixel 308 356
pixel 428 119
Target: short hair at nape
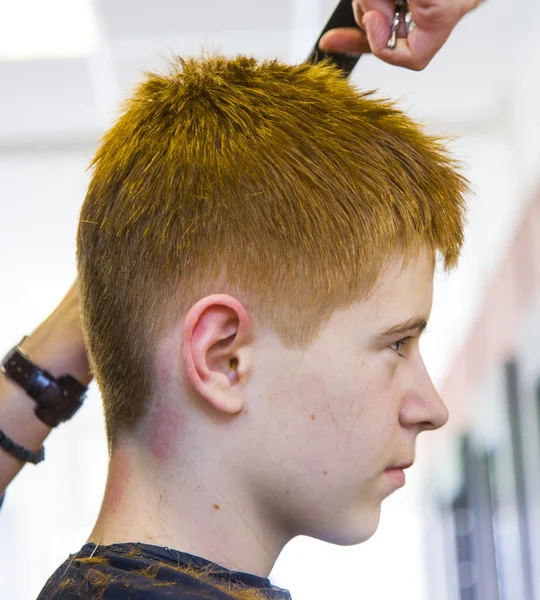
pixel 280 184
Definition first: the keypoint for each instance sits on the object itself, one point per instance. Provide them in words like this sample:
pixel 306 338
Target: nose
pixel 421 405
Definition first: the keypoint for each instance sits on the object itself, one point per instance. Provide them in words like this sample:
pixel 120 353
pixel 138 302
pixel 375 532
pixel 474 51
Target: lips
pixel 396 476
pixel 401 466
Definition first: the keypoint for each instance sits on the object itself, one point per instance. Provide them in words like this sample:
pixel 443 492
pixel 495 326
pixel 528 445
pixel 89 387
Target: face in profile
pixel 325 424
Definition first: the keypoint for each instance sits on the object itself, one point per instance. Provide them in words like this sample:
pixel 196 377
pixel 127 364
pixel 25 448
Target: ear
pixel 216 350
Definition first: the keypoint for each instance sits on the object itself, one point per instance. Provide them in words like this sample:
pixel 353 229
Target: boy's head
pixel 251 231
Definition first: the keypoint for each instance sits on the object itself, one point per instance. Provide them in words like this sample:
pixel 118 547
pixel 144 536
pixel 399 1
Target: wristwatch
pixel 57 399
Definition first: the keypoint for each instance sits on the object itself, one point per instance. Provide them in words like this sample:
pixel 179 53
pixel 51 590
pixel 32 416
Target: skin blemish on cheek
pixel 325 472
pixel 312 416
pixel 165 430
pixel 216 506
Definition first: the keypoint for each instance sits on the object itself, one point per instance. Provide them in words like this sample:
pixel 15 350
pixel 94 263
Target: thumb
pixel 413 52
pixel 377 30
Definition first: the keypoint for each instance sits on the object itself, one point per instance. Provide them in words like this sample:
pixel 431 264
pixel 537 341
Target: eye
pixel 397 346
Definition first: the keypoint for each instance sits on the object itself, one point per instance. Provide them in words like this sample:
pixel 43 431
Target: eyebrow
pixel 414 325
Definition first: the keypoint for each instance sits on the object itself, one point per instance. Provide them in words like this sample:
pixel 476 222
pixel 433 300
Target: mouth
pixel 396 475
pixel 402 466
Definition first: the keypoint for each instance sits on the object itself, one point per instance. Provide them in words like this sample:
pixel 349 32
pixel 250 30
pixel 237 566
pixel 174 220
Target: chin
pixel 357 529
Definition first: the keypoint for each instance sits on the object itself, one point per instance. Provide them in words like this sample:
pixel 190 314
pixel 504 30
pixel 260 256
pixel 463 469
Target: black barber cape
pixel 145 572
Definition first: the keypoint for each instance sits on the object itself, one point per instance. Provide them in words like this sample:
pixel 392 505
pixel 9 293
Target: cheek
pixel 327 408
pixel 353 415
pixel 332 417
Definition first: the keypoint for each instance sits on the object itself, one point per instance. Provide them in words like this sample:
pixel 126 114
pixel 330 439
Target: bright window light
pixel 37 29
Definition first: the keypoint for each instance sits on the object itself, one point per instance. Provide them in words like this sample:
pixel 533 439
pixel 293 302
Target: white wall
pixel 50 508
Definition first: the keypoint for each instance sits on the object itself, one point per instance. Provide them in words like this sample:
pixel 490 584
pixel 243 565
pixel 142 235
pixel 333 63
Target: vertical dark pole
pixel 464 519
pixel 512 390
pixel 343 16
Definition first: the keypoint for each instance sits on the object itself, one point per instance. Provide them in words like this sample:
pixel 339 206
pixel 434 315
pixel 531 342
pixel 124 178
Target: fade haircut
pixel 281 185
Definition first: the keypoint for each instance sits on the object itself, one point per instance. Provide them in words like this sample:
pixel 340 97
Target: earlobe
pixel 215 348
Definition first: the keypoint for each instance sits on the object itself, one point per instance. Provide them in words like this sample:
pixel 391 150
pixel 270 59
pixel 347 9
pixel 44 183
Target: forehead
pixel 404 291
pixel 404 280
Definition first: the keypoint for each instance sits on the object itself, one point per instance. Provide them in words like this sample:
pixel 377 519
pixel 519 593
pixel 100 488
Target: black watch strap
pixel 57 399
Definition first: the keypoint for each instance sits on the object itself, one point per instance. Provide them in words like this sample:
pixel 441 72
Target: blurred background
pixel 467 524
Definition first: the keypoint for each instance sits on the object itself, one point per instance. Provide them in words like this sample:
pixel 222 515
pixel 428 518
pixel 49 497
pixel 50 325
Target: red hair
pixel 281 185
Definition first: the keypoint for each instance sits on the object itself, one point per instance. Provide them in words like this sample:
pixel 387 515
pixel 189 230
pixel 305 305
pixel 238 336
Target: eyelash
pixel 403 342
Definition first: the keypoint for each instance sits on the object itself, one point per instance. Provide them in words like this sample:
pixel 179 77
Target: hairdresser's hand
pixel 57 344
pixel 434 20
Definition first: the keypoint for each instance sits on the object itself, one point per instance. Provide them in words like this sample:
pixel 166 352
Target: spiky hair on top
pixel 282 185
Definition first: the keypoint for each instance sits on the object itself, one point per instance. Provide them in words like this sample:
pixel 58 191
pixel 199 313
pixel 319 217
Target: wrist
pixel 17 416
pixel 58 351
pixel 57 398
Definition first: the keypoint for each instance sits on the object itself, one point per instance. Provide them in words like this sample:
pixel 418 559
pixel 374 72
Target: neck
pixel 191 509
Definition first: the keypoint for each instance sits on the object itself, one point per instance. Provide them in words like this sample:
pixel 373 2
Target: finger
pixel 385 7
pixel 380 18
pixel 414 52
pixel 346 40
pixel 436 16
